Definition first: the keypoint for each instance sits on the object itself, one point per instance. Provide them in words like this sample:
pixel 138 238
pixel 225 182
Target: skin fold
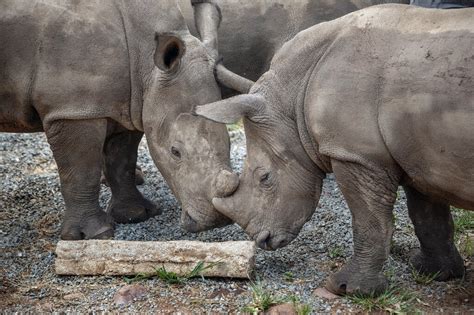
pixel 382 98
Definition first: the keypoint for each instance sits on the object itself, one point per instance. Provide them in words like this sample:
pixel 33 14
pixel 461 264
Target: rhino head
pixel 280 186
pixel 192 153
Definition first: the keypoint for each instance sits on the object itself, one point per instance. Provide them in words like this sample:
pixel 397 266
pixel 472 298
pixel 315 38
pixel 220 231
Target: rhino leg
pixel 120 159
pixel 139 177
pixel 435 231
pixel 370 195
pixel 77 149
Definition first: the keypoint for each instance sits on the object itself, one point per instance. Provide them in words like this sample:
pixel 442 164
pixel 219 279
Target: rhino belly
pixel 432 139
pixel 17 69
pixel 61 61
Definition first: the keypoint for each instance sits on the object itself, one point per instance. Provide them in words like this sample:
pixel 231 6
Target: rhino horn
pixel 207 16
pixel 232 80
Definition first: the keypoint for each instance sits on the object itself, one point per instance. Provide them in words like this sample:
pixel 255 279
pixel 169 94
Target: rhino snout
pixel 225 184
pixel 266 241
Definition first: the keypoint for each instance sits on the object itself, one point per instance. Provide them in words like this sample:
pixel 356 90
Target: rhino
pixel 95 76
pixel 382 97
pixel 252 31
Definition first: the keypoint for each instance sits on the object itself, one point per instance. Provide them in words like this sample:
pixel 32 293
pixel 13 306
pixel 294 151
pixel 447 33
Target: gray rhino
pixel 249 34
pixel 252 31
pixel 94 76
pixel 381 97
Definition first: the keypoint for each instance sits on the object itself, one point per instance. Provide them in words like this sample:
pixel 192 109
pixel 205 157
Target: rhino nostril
pixel 263 240
pixel 279 241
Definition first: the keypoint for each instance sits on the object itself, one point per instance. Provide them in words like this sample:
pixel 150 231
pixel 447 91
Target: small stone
pixel 73 296
pixel 282 309
pixel 325 294
pixel 128 293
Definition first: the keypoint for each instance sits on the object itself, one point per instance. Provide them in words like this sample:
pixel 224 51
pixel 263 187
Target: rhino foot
pixel 444 267
pixel 349 281
pixel 137 209
pixel 97 226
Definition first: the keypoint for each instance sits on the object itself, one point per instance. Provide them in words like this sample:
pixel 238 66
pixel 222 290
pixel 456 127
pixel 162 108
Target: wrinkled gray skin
pixel 94 76
pixel 382 97
pixel 249 34
pixel 252 31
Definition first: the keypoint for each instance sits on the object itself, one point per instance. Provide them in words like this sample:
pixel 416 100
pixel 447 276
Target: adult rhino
pixel 94 76
pixel 246 34
pixel 381 97
pixel 252 31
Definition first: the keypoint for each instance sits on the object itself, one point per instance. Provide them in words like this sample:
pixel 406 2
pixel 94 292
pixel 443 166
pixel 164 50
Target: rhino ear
pixel 169 50
pixel 230 110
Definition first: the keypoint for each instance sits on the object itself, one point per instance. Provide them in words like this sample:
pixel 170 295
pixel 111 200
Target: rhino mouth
pixel 192 224
pixel 268 241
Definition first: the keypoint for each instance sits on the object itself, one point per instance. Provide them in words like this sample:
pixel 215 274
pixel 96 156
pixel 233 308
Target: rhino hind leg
pixel 434 228
pixel 77 149
pixel 370 195
pixel 139 177
pixel 120 159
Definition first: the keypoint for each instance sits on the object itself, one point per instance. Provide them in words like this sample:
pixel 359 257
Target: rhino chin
pixel 193 225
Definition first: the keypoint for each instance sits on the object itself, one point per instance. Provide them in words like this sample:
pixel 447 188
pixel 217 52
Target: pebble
pixel 282 309
pixel 129 293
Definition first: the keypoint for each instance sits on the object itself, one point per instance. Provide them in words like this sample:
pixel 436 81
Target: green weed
pixel 463 226
pixel 234 127
pixel 336 252
pixel 289 276
pixel 262 299
pixel 394 301
pixel 463 221
pixel 172 277
pixel 422 278
pixel 300 308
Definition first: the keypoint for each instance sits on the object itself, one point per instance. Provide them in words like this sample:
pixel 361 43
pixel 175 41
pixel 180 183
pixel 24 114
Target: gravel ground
pixel 31 211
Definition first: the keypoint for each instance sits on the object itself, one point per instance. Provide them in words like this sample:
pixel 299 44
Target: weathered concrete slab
pixel 110 257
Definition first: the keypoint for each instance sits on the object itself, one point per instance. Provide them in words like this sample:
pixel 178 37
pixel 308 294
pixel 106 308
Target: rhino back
pixel 426 111
pixel 62 60
pixel 395 87
pixel 252 31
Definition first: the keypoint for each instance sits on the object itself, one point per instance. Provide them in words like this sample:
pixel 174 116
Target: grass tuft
pixel 463 226
pixel 172 277
pixel 336 252
pixel 300 308
pixel 463 221
pixel 394 301
pixel 422 278
pixel 262 299
pixel 288 276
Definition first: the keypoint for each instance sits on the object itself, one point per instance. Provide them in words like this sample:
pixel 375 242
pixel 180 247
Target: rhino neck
pixel 141 21
pixel 288 78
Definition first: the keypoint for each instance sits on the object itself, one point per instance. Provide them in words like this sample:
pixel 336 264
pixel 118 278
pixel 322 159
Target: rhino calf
pixel 95 76
pixel 382 97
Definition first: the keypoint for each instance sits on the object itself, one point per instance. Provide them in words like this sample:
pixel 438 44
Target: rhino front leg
pixel 77 149
pixel 120 159
pixel 435 230
pixel 370 195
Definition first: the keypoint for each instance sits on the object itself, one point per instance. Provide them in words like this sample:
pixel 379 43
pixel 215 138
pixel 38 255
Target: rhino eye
pixel 175 152
pixel 265 178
